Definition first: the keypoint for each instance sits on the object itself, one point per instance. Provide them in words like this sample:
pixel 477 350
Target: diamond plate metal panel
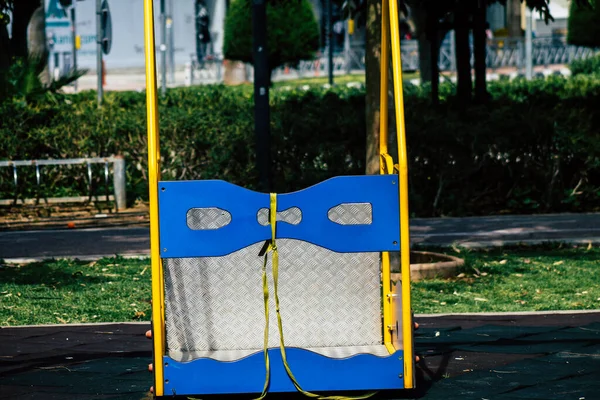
pixel 291 216
pixel 207 218
pixel 352 214
pixel 327 299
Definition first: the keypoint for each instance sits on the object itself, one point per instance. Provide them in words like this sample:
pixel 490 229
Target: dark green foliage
pixel 292 32
pixel 588 66
pixel 534 148
pixel 584 24
pixel 23 79
pixel 5 7
pixel 206 132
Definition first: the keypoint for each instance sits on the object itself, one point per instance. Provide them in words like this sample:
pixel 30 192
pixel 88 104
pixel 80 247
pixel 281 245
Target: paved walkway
pixel 490 356
pixel 20 246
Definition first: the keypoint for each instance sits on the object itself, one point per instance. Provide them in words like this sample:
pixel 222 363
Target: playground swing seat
pixel 256 293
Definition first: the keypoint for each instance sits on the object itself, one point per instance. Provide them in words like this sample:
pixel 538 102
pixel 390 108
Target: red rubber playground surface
pixel 464 356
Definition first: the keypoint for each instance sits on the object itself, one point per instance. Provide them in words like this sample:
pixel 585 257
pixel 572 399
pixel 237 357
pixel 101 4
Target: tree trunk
pixel 432 33
pixel 37 44
pixel 463 53
pixel 5 50
pixel 372 78
pixel 420 17
pixel 479 50
pixel 22 13
pixel 513 18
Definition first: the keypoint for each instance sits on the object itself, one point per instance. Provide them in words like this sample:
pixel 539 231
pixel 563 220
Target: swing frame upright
pixel 397 323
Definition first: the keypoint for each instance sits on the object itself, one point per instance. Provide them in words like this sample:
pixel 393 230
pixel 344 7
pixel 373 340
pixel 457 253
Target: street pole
pixel 347 49
pixel 330 40
pixel 74 39
pixel 261 94
pixel 171 42
pixel 529 44
pixel 99 49
pixel 163 48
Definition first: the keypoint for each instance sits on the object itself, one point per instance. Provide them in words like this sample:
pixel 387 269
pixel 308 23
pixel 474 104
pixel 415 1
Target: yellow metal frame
pixel 158 314
pixel 390 29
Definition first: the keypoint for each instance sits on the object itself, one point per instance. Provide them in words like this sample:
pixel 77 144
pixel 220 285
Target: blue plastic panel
pixel 177 197
pixel 178 240
pixel 314 372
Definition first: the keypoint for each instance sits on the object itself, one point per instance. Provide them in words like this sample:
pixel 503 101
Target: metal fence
pixel 501 53
pixel 118 173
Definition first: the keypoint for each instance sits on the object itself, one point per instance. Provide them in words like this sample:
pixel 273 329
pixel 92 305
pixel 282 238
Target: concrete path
pixel 19 246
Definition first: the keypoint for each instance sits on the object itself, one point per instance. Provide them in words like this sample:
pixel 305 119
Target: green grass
pixel 66 291
pixel 549 277
pixel 322 80
pixel 337 79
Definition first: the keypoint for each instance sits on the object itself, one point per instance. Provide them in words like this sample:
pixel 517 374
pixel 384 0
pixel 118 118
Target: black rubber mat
pixel 539 356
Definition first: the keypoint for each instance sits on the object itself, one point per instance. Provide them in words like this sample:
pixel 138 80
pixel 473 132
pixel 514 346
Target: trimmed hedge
pixel 587 66
pixel 534 148
pixel 584 24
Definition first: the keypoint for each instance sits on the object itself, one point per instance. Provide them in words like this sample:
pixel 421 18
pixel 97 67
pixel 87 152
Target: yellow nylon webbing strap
pixel 273 247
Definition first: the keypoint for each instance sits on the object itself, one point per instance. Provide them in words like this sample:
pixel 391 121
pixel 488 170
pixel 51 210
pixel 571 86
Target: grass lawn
pixel 321 80
pixel 545 277
pixel 66 291
pixel 550 277
pixel 337 79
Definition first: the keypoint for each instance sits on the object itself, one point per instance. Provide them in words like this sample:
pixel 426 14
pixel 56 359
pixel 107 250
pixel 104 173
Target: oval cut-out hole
pixel 207 218
pixel 351 214
pixel 291 216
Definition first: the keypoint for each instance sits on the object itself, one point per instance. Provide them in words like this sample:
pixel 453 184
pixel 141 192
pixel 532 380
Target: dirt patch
pixel 70 215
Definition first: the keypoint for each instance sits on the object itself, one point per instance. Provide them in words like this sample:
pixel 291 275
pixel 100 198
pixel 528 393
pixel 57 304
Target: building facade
pixel 127 50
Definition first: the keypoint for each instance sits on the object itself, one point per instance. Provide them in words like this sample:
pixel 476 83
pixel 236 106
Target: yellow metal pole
pixel 383 96
pixel 158 320
pixel 407 322
pixel 384 169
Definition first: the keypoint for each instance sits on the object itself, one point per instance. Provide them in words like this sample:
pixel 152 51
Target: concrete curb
pixel 508 313
pixel 93 257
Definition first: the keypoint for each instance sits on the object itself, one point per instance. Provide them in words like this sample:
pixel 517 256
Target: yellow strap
pixel 273 247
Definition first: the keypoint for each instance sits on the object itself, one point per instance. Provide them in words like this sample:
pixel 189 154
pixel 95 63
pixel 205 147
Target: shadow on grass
pixel 51 273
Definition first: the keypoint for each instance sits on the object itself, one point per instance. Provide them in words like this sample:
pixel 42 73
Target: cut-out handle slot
pixel 291 216
pixel 209 218
pixel 351 214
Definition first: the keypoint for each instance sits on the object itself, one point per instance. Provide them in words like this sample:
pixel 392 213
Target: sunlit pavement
pixel 92 243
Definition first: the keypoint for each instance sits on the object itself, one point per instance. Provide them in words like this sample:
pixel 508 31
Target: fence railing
pixel 501 53
pixel 118 171
pixel 504 52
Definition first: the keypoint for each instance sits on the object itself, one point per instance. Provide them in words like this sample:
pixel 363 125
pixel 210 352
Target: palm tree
pixel 23 58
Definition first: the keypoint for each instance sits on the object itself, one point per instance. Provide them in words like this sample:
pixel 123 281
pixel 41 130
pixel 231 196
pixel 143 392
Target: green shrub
pixel 584 24
pixel 588 66
pixel 534 148
pixel 293 32
pixel 206 132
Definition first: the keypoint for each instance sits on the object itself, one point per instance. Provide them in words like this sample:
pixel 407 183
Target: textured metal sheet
pixel 291 216
pixel 352 214
pixel 327 299
pixel 207 218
